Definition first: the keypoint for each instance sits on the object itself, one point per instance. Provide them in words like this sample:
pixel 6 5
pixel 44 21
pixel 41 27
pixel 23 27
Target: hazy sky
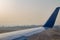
pixel 27 12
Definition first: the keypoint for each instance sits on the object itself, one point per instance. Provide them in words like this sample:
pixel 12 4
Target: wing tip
pixel 51 21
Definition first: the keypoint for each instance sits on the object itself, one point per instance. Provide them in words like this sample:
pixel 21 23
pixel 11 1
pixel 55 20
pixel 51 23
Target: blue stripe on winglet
pixel 50 22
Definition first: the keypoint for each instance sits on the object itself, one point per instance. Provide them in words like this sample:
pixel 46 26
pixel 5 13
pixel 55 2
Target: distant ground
pixel 51 34
pixel 46 35
pixel 16 28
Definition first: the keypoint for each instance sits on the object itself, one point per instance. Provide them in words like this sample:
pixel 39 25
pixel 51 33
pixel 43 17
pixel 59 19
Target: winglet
pixel 51 21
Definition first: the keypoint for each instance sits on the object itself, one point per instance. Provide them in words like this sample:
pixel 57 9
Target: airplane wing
pixel 23 34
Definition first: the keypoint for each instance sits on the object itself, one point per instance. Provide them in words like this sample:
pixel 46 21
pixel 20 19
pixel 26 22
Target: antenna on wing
pixel 51 21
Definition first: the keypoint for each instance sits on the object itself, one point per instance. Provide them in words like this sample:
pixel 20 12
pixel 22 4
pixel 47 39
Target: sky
pixel 27 12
